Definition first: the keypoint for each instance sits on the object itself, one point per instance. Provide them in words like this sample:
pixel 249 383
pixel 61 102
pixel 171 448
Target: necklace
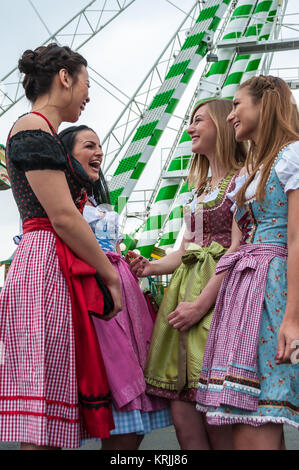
pixel 209 188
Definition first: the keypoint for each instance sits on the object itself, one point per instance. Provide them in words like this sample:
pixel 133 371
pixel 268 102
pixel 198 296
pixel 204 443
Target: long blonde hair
pixel 278 126
pixel 229 152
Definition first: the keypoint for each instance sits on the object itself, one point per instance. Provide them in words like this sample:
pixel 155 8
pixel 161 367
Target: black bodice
pixel 38 150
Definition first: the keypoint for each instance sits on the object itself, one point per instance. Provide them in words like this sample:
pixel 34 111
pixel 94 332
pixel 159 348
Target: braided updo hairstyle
pixel 278 126
pixel 41 65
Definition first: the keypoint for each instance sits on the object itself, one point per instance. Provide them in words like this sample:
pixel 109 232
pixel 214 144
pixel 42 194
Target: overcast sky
pixel 123 53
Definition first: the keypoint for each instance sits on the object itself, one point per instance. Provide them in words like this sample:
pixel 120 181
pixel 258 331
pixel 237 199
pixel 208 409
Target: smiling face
pixel 88 151
pixel 245 116
pixel 79 96
pixel 203 132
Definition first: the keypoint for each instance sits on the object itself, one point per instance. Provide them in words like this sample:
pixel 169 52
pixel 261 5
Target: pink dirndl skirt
pixel 38 383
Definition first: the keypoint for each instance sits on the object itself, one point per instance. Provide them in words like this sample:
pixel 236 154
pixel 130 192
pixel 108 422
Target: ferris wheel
pixel 218 45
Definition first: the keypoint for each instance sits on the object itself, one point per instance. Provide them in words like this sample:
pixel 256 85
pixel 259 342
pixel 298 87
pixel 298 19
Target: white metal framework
pixel 238 38
pixel 75 33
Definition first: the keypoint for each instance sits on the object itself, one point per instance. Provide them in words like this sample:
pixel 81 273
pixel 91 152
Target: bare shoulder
pixel 30 122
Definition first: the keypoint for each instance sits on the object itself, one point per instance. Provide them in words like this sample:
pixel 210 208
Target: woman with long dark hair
pixel 124 340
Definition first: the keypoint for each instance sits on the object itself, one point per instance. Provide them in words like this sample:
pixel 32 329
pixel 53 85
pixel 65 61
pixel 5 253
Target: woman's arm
pixel 142 267
pixel 52 191
pixel 288 336
pixel 188 313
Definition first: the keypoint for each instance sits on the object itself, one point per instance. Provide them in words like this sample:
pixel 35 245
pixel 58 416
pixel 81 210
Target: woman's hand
pixel 115 291
pixel 288 334
pixel 288 340
pixel 185 315
pixel 139 265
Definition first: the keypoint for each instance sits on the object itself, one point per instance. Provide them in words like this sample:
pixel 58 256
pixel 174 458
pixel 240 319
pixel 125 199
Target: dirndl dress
pixel 240 380
pixel 39 401
pixel 125 339
pixel 175 358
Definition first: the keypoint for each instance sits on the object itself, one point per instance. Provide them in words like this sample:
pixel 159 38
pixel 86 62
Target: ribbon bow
pixel 196 253
pixel 246 257
pixel 245 260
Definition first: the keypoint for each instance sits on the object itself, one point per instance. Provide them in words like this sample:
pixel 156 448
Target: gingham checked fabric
pixel 139 422
pixel 38 383
pixel 87 300
pixel 229 374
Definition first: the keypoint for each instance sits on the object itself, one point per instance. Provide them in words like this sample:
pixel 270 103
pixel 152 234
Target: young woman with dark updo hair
pixel 250 373
pixel 53 385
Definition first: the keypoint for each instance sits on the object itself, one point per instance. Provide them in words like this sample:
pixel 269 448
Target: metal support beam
pixel 260 47
pixel 132 114
pixel 75 33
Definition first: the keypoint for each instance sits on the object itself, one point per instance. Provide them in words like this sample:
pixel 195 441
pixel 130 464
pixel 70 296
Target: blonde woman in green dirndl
pixel 176 352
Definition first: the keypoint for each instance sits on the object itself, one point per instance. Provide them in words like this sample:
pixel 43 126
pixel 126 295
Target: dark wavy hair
pixel 41 65
pixel 99 190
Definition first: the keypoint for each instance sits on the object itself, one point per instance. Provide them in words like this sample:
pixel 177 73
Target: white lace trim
pixel 203 386
pixel 234 418
pixel 242 387
pixel 192 200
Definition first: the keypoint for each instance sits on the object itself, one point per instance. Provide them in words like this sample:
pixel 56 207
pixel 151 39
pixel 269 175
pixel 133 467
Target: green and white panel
pixel 159 112
pixel 262 21
pixel 211 84
pixel 246 66
pixel 166 194
pixel 169 188
pixel 265 30
pixel 174 223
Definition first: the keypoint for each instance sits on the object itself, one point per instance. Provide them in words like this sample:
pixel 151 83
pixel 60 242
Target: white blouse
pixel 208 197
pixel 287 171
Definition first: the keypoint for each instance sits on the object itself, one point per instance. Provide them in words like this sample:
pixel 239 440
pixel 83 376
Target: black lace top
pixel 39 150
